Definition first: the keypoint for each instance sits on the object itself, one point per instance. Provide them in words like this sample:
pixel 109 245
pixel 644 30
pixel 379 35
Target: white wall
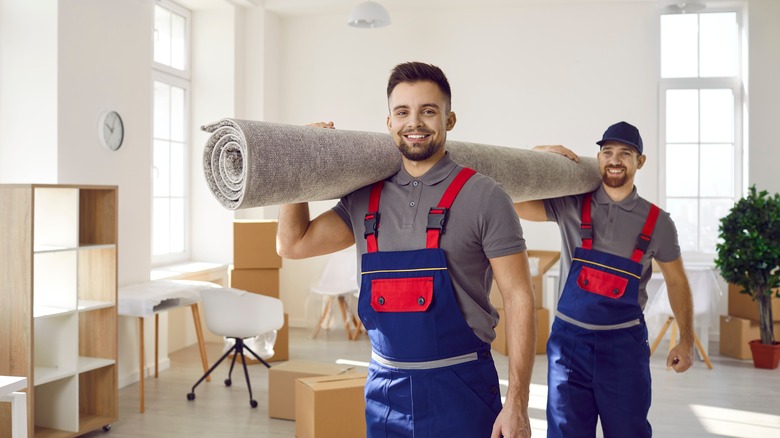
pixel 28 91
pixel 764 107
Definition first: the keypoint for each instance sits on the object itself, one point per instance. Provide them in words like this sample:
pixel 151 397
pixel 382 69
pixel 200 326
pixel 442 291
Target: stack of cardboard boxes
pixel 546 259
pixel 256 269
pixel 325 399
pixel 741 325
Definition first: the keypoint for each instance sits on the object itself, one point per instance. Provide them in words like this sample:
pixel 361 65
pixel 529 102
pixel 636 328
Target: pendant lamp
pixel 368 15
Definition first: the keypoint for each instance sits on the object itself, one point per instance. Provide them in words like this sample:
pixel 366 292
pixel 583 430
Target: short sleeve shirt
pixel 616 226
pixel 482 224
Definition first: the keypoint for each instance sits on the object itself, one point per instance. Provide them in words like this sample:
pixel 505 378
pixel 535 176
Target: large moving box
pixel 254 245
pixel 546 259
pixel 259 281
pixel 743 306
pixel 281 383
pixel 282 345
pixel 542 332
pixel 735 333
pixel 330 406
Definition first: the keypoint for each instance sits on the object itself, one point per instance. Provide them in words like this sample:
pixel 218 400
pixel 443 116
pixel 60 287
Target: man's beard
pixel 420 152
pixel 614 182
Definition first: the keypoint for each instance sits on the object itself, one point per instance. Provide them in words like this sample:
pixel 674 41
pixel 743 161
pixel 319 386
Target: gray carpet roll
pixel 254 164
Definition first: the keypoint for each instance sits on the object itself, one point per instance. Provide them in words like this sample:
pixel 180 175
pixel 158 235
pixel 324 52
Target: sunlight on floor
pixel 736 423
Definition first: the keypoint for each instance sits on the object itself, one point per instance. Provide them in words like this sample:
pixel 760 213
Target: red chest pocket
pixel 401 294
pixel 601 283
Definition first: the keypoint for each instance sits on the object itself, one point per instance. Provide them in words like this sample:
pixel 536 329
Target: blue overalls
pixel 598 355
pixel 430 375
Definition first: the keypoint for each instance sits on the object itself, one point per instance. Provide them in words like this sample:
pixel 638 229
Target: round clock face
pixel 111 130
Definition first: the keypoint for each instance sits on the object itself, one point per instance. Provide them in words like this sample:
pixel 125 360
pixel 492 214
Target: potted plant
pixel 748 255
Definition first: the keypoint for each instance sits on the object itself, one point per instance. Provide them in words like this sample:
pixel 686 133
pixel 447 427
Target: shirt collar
pixel 436 174
pixel 628 204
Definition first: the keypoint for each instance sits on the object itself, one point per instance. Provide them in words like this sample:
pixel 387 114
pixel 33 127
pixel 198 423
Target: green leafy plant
pixel 749 252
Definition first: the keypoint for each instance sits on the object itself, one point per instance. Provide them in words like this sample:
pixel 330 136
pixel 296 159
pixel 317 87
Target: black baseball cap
pixel 623 132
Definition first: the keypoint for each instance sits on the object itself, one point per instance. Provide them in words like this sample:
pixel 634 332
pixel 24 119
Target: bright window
pixel 170 180
pixel 701 123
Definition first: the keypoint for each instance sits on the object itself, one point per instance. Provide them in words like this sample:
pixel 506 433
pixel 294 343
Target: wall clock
pixel 111 130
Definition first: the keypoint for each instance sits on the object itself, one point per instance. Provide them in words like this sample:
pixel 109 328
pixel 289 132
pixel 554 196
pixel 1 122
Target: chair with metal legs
pixel 238 314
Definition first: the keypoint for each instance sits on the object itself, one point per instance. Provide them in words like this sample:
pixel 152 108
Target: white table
pixel 10 391
pixel 147 299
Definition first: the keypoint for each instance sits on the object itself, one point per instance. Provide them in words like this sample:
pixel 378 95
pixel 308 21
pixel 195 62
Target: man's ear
pixel 641 161
pixel 389 124
pixel 451 119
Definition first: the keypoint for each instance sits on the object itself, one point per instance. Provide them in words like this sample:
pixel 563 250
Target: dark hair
pixel 416 72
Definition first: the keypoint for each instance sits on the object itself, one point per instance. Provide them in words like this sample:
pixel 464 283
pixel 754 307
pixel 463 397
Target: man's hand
pixel 511 424
pixel 558 149
pixel 680 357
pixel 326 125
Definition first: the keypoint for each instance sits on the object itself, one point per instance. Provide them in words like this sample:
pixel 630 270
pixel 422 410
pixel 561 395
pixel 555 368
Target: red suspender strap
pixel 437 216
pixel 372 217
pixel 643 240
pixel 586 227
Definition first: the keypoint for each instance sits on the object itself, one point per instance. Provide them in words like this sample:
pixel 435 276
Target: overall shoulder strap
pixel 647 232
pixel 372 217
pixel 437 216
pixel 586 226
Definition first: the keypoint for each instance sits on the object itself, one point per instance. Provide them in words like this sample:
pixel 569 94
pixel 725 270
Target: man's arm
pixel 681 356
pixel 299 237
pixel 513 278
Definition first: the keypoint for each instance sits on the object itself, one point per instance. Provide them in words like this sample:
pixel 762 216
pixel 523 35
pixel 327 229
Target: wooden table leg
pixel 156 344
pixel 201 344
pixel 142 367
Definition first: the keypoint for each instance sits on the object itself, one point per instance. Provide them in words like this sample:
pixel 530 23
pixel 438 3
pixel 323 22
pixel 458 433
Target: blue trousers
pixel 598 373
pixel 460 401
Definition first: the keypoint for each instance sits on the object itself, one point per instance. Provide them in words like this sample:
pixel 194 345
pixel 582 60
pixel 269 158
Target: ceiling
pixel 290 8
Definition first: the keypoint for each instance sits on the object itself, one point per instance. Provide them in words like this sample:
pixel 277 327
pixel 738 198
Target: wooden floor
pixel 732 400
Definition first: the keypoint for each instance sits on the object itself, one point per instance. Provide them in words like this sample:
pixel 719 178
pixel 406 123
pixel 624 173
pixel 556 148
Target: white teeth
pixel 416 136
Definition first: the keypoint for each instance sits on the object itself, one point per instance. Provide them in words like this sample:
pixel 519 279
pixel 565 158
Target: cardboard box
pixel 546 260
pixel 330 406
pixel 259 281
pixel 281 383
pixel 282 344
pixel 254 245
pixel 542 332
pixel 743 306
pixel 735 333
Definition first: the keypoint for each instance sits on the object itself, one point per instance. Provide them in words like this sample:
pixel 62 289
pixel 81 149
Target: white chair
pixel 238 315
pixel 338 282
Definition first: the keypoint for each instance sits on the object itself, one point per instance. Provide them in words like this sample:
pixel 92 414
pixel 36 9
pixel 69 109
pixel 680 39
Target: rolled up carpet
pixel 254 164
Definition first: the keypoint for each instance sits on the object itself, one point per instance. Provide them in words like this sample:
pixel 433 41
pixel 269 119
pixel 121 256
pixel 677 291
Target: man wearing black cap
pixel 598 354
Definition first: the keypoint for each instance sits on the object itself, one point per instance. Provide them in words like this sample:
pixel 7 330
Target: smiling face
pixel 419 120
pixel 618 164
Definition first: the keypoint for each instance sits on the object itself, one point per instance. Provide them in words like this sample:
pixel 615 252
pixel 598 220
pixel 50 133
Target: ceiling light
pixel 368 15
pixel 683 7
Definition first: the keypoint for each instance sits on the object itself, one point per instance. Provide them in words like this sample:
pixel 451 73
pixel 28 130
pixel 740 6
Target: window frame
pixel 737 85
pixel 181 79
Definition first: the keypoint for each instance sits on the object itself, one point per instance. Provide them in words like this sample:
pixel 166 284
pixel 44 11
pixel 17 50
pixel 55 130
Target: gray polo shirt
pixel 482 225
pixel 616 225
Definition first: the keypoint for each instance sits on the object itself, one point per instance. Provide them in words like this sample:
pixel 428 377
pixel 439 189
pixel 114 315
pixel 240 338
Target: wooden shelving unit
pixel 58 314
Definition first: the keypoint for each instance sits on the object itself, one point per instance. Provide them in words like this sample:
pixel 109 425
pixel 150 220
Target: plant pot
pixel 764 355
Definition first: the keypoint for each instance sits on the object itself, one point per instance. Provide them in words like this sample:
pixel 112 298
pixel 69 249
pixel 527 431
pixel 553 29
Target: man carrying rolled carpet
pixel 431 237
pixel 598 354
